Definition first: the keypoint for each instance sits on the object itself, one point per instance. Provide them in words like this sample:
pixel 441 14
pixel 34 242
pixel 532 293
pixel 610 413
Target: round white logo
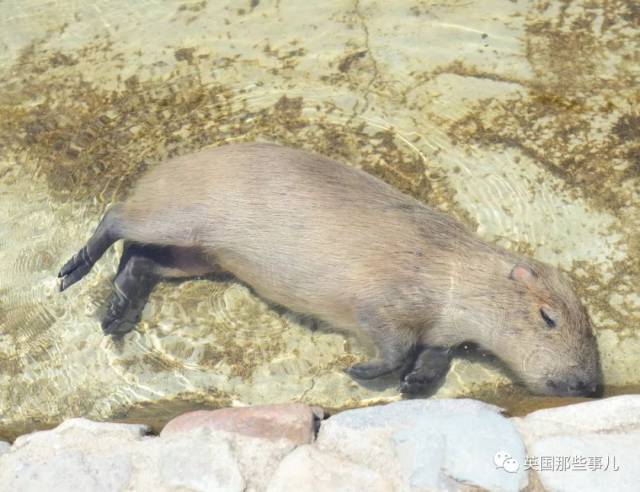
pixel 504 461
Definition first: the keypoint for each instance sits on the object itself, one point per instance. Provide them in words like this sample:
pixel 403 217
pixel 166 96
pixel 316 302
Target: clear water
pixel 518 118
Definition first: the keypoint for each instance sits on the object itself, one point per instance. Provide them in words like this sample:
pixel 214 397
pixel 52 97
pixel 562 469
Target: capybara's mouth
pixel 574 386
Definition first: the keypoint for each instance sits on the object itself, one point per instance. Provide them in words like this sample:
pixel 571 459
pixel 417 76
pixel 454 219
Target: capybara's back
pixel 304 231
pixel 322 238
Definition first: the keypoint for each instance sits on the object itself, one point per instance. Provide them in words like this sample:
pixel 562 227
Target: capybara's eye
pixel 551 323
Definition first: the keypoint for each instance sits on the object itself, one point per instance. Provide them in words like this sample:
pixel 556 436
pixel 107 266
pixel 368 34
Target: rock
pixel 590 462
pixel 259 458
pixel 413 445
pixel 310 469
pixel 293 421
pixel 261 436
pixel 77 455
pixel 79 431
pixel 71 470
pixel 586 446
pixel 197 461
pixel 253 459
pixel 430 444
pixel 615 414
pixel 84 455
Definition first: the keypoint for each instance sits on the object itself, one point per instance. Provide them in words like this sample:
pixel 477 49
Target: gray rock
pixel 589 462
pixel 259 458
pixel 615 414
pixel 199 461
pixel 77 431
pixel 225 461
pixel 413 445
pixel 587 446
pixel 309 469
pixel 84 455
pixel 69 470
pixel 429 444
pixel 77 455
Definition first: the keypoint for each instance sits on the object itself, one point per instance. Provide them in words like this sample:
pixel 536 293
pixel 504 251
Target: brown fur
pixel 329 240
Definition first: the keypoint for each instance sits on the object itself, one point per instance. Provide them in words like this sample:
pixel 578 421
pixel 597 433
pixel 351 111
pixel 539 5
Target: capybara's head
pixel 545 337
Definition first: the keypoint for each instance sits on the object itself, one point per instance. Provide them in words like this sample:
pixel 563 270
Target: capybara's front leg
pixel 394 345
pixel 81 263
pixel 430 366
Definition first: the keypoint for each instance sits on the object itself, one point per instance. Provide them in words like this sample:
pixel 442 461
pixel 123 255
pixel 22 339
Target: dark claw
pixel 413 388
pixel 121 316
pixel 117 327
pixel 368 370
pixel 68 266
pixel 423 377
pixel 415 382
pixel 76 260
pixel 71 278
pixel 73 270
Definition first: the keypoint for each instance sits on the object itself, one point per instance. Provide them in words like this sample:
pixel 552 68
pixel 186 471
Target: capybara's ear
pixel 523 273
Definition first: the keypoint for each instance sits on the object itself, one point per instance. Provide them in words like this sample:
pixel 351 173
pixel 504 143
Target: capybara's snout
pixel 575 384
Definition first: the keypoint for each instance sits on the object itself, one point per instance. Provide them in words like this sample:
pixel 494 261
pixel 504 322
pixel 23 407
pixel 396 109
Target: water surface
pixel 518 118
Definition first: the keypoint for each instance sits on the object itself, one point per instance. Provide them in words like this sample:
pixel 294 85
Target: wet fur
pixel 328 240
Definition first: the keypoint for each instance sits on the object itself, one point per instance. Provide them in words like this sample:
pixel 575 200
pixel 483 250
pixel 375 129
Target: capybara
pixel 331 241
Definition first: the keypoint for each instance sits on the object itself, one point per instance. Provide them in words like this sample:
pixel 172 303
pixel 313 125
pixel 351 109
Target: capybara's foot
pixel 419 382
pixel 121 316
pixel 74 269
pixel 104 236
pixel 116 327
pixel 432 364
pixel 369 370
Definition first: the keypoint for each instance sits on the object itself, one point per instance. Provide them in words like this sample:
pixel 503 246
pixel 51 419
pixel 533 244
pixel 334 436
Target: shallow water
pixel 518 118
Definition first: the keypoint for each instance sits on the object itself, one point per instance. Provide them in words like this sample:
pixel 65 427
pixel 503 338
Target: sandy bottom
pixel 517 118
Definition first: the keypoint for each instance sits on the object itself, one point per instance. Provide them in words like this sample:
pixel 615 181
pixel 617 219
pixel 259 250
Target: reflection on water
pixel 522 404
pixel 516 118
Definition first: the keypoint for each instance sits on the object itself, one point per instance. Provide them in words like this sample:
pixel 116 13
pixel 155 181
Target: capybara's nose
pixel 578 386
pixel 574 386
pixel 592 390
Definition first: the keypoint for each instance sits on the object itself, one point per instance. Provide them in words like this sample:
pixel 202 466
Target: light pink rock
pixel 292 421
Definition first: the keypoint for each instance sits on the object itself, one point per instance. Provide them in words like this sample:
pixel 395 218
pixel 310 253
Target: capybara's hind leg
pixel 136 277
pixel 430 366
pixel 140 269
pixel 81 263
pixel 394 348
